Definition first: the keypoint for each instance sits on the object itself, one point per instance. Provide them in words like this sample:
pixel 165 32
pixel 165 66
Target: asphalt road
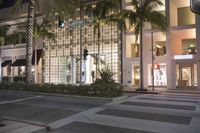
pixel 43 109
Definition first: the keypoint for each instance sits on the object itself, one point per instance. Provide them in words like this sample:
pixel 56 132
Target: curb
pixel 144 92
pixel 31 127
pixel 27 122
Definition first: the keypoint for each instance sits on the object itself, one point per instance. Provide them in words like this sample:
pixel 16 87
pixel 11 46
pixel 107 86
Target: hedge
pixel 100 90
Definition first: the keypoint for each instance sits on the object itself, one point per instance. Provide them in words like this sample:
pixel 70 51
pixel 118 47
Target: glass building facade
pixel 62 57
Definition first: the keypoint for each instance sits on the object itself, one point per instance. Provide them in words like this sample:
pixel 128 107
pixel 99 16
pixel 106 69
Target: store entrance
pixel 186 76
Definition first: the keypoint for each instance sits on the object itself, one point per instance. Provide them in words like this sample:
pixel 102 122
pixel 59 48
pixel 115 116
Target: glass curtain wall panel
pixel 62 57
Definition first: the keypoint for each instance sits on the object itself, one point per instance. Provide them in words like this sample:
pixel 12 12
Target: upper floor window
pixel 160 49
pixel 189 46
pixel 185 16
pixel 132 47
pixel 180 13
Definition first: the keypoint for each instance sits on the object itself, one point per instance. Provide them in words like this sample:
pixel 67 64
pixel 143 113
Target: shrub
pixel 101 90
pixel 6 79
pixel 106 86
pixel 19 78
pixel 106 74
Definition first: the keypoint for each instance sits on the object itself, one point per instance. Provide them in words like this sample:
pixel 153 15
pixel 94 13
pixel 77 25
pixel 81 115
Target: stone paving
pixel 28 113
pixel 175 111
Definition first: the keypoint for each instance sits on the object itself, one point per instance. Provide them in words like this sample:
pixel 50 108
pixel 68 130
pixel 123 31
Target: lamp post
pixel 152 56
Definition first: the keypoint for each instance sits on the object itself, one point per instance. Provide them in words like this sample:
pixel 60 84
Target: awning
pixel 19 62
pixel 39 54
pixel 6 62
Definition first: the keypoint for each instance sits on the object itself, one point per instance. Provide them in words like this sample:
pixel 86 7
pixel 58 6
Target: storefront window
pixel 21 70
pixel 136 75
pixel 160 75
pixel 186 75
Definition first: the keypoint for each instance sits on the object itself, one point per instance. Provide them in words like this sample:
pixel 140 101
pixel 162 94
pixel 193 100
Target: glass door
pixel 186 74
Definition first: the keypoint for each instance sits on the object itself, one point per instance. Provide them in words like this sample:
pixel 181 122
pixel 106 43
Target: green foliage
pixel 3 31
pixel 42 31
pixel 101 12
pixel 142 13
pixel 6 78
pixel 19 79
pixel 108 90
pixel 106 84
pixel 15 37
pixel 106 74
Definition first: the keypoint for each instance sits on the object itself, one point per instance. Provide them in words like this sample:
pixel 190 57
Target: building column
pixel 198 48
pixel 171 65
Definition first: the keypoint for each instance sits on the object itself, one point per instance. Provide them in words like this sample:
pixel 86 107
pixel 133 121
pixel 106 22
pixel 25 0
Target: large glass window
pixel 160 74
pixel 136 75
pixel 186 75
pixel 62 58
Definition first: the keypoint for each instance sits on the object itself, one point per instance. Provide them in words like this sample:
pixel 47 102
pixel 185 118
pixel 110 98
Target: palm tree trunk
pixel 29 46
pixel 141 61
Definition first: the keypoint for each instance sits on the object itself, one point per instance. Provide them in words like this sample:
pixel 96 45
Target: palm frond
pixel 135 4
pixel 17 6
pixel 41 31
pixel 158 20
pixel 3 30
pixel 66 7
pixel 150 5
pixel 130 17
pixel 137 28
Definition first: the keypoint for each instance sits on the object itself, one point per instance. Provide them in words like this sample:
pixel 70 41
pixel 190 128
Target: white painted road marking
pixel 18 100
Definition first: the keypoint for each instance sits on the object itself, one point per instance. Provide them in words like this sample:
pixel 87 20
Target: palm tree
pixel 63 7
pixel 40 31
pixel 144 12
pixel 14 37
pixel 3 32
pixel 100 13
